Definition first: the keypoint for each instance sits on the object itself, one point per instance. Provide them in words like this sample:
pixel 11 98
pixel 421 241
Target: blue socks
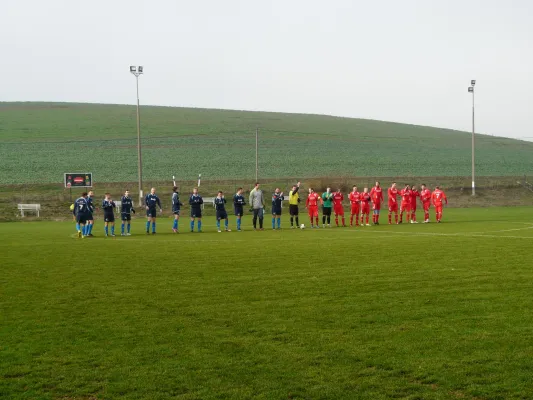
pixel 200 226
pixel 192 225
pixel 106 229
pixel 84 230
pixel 113 230
pixel 89 228
pixel 218 224
pixel 153 227
pixel 238 224
pixel 175 225
pixel 122 228
pixel 226 224
pixel 129 226
pixel 77 227
pixel 147 226
pixel 273 223
pixel 279 223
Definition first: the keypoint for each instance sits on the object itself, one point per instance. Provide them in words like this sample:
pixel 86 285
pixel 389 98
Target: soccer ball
pixel 302 226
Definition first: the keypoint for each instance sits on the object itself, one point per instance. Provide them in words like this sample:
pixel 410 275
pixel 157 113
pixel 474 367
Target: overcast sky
pixel 407 61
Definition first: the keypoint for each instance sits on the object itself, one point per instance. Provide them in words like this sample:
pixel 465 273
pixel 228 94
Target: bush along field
pixel 427 311
pixel 41 141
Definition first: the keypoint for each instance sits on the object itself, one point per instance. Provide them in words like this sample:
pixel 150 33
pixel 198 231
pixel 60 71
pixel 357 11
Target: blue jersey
pixel 108 206
pixel 127 205
pixel 176 203
pixel 90 204
pixel 220 203
pixel 151 200
pixel 277 198
pixel 196 201
pixel 238 200
pixel 81 207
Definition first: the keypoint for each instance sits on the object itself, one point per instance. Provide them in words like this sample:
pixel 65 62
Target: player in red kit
pixel 377 198
pixel 393 193
pixel 425 198
pixel 355 202
pixel 406 203
pixel 414 194
pixel 365 206
pixel 437 198
pixel 338 208
pixel 313 199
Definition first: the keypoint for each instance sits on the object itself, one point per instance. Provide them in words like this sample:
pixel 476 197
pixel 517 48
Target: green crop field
pixel 41 141
pixel 436 311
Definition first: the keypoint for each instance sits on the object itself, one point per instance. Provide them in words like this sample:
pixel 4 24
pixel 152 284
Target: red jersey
pixel 425 196
pixel 313 200
pixel 377 195
pixel 414 195
pixel 406 196
pixel 365 199
pixel 392 194
pixel 337 199
pixel 437 197
pixel 355 197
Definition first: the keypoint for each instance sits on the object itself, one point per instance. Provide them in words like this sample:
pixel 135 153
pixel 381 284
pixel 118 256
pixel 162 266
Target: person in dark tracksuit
pixel 238 206
pixel 277 198
pixel 125 212
pixel 220 207
pixel 176 208
pixel 196 201
pixel 151 201
pixel 108 206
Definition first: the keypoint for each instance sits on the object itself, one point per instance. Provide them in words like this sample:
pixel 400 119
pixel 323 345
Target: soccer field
pixel 434 311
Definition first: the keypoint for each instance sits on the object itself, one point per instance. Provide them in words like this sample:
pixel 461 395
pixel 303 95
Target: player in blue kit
pixel 238 206
pixel 176 207
pixel 90 221
pixel 126 210
pixel 151 201
pixel 196 202
pixel 220 207
pixel 81 213
pixel 277 198
pixel 108 206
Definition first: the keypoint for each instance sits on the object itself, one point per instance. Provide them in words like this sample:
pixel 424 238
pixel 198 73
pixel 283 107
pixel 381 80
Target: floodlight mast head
pixel 136 70
pixel 473 82
pixel 470 89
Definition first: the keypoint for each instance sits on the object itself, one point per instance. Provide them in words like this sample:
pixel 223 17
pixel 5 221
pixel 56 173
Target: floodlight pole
pixel 256 154
pixel 471 90
pixel 137 71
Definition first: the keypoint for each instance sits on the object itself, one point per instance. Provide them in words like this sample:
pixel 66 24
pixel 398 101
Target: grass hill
pixel 41 141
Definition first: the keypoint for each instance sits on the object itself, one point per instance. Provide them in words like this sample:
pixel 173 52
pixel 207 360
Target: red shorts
pixel 365 209
pixel 438 209
pixel 356 209
pixel 406 207
pixel 313 211
pixel 426 205
pixel 338 210
pixel 376 206
pixel 393 207
pixel 413 207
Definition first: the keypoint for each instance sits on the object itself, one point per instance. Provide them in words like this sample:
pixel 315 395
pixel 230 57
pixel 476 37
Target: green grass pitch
pixel 410 311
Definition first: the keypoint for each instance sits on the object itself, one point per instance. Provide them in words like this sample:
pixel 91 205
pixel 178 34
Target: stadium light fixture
pixel 471 90
pixel 137 71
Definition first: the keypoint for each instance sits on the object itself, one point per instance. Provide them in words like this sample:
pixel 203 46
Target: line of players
pixel 83 208
pixel 360 204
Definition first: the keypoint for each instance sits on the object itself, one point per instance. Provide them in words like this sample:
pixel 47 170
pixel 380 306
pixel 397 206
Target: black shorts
pixel 276 211
pixel 222 215
pixel 125 216
pixel 293 209
pixel 326 211
pixel 239 211
pixel 176 212
pixel 151 213
pixel 109 217
pixel 196 213
pixel 89 217
pixel 82 219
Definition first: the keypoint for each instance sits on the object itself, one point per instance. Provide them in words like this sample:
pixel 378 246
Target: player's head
pixel 413 187
pixel 152 190
pixel 294 187
pixel 195 190
pixel 239 190
pixel 423 186
pixel 90 194
pixel 107 195
pixel 277 190
pixel 354 188
pixel 257 185
pixel 365 190
pixel 338 190
pixel 407 186
pixel 393 185
pixel 220 193
pixel 311 190
pixel 174 189
pixel 127 193
pixel 84 195
pixel 328 189
pixel 377 183
pixel 437 187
